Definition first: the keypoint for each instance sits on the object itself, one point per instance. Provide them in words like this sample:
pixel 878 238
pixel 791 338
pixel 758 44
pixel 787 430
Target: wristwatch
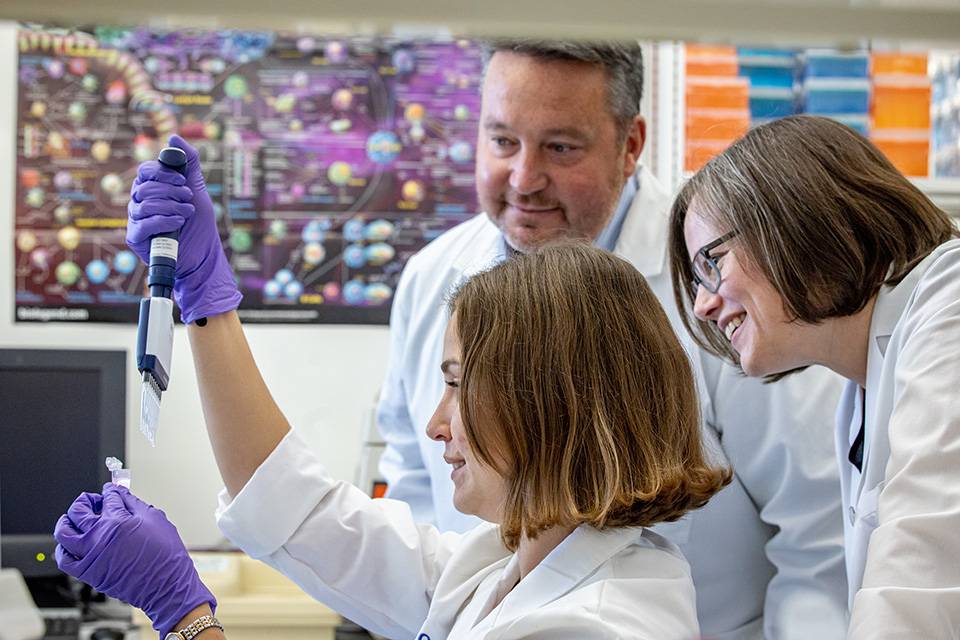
pixel 193 629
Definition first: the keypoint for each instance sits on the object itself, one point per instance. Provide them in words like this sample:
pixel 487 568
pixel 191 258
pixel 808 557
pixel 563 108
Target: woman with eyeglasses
pixel 802 245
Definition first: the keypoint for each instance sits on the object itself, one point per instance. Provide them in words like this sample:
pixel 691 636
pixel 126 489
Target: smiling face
pixel 549 159
pixel 747 308
pixel 478 488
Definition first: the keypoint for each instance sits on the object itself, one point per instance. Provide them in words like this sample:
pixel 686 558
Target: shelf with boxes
pixel 716 102
pixel 772 79
pixel 900 124
pixel 836 84
pixel 883 95
pixel 945 112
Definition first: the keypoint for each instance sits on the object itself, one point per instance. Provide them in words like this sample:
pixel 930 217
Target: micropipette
pixel 155 327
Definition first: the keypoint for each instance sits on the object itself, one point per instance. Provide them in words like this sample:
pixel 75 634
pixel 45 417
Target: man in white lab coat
pixel 558 145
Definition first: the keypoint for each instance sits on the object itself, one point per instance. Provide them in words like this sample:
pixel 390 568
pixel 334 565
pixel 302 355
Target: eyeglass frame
pixel 712 261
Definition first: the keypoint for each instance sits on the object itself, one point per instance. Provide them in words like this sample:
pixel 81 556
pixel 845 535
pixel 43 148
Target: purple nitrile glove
pixel 127 549
pixel 163 200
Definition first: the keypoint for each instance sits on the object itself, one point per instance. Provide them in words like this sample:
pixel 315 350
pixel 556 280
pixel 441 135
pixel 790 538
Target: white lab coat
pixel 369 560
pixel 766 553
pixel 903 511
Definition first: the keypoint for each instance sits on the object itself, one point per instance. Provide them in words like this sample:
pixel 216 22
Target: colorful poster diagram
pixel 330 162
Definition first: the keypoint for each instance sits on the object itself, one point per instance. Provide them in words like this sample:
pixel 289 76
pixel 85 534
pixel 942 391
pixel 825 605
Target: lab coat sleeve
pixel 401 463
pixel 779 439
pixel 365 558
pixel 911 581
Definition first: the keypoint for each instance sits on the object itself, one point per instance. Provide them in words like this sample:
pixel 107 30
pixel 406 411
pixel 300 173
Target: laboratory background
pixel 336 142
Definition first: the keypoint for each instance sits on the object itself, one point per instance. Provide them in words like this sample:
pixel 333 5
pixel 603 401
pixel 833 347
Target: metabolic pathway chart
pixel 329 161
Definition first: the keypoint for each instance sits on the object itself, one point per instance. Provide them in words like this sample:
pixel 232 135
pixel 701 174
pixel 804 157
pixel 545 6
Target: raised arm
pixel 243 421
pixel 281 504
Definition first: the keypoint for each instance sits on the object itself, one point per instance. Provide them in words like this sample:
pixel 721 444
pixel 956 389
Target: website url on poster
pixel 47 315
pixel 286 314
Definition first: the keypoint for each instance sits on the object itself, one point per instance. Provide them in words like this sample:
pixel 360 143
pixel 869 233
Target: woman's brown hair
pixel 817 209
pixel 575 388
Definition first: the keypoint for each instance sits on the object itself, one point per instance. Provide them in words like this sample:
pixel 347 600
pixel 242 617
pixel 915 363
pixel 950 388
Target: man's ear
pixel 633 144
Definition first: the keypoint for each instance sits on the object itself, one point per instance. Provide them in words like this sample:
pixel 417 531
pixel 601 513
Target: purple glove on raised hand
pixel 163 200
pixel 127 549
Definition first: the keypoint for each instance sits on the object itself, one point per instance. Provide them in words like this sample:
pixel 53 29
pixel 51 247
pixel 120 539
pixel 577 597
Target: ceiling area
pixel 831 22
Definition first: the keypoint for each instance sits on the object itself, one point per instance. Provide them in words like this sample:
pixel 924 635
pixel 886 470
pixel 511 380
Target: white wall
pixel 323 377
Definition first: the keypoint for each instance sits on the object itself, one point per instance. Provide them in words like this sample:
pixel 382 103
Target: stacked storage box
pixel 772 76
pixel 901 110
pixel 836 84
pixel 945 69
pixel 716 100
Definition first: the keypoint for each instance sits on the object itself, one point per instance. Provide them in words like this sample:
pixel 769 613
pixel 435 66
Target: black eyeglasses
pixel 706 271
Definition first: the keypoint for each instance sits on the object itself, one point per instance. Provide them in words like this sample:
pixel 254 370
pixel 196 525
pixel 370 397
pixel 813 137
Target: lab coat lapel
pixel 481 552
pixel 485 251
pixel 643 237
pixel 573 560
pixel 889 308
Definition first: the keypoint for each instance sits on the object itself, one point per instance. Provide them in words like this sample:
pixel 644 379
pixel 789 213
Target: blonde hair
pixel 819 211
pixel 575 388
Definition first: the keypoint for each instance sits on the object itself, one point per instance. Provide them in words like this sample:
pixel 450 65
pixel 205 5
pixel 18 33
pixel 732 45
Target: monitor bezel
pixel 20 551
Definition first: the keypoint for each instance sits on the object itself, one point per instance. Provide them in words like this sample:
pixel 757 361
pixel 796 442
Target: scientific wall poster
pixel 330 161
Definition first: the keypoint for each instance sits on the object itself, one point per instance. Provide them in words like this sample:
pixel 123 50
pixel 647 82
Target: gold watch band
pixel 199 625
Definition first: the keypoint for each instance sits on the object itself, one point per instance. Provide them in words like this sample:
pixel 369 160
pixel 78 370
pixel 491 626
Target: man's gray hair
pixel 622 61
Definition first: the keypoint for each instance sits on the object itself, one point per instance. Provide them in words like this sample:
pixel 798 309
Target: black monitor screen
pixel 52 448
pixel 61 413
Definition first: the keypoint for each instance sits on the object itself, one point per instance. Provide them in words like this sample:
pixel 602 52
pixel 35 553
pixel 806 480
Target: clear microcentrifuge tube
pixel 118 475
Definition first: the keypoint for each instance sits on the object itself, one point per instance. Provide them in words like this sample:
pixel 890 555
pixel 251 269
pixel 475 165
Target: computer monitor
pixel 62 412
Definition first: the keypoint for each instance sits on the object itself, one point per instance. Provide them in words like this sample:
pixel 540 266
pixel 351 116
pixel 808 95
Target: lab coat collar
pixel 572 561
pixel 483 252
pixel 643 239
pixel 889 308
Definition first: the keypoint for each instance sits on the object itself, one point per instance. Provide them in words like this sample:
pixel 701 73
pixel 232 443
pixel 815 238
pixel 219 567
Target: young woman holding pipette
pixel 570 424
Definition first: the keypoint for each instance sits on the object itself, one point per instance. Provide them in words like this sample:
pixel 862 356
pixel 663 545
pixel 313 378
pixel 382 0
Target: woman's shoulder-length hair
pixel 818 211
pixel 576 389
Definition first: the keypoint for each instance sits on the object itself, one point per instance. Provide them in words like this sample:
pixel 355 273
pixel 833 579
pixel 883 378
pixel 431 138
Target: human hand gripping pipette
pixel 155 326
pixel 172 227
